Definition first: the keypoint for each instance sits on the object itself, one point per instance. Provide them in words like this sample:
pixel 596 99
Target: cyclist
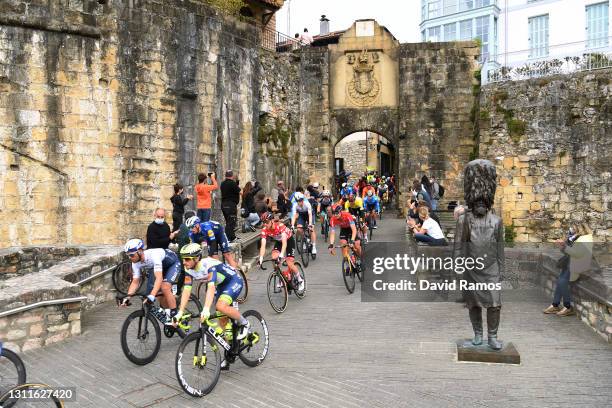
pixel 166 269
pixel 302 216
pixel 369 187
pixel 348 231
pixel 284 246
pixel 324 205
pixel 382 189
pixel 346 190
pixel 213 234
pixel 223 287
pixel 372 206
pixel 354 205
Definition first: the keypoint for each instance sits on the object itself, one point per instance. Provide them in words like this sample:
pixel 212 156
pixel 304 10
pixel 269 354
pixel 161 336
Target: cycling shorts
pixel 170 275
pixel 370 207
pixel 220 243
pixel 302 219
pixel 229 290
pixel 290 252
pixel 347 233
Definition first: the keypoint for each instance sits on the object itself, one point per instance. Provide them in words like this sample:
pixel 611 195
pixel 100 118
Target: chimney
pixel 324 25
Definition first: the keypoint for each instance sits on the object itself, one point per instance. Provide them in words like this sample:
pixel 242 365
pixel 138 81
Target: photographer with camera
pixel 204 194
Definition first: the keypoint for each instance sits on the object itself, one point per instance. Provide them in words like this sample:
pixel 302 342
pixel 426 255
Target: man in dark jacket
pixel 158 232
pixel 230 197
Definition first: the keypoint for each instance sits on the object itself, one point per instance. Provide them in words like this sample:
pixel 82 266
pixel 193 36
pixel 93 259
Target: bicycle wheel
pixel 348 275
pixel 122 277
pixel 277 292
pixel 305 253
pixel 12 374
pixel 299 239
pixel 140 345
pixel 301 293
pixel 359 271
pixel 257 341
pixel 196 372
pixel 245 287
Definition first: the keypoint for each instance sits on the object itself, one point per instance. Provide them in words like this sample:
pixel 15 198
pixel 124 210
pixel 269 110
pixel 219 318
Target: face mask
pixel 159 220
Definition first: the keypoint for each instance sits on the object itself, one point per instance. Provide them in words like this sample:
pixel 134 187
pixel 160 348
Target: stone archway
pixel 422 97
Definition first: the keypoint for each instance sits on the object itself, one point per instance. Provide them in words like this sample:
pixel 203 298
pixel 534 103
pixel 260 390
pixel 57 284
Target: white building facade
pixel 569 34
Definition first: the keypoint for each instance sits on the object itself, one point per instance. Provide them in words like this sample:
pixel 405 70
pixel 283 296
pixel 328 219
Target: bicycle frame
pixel 236 347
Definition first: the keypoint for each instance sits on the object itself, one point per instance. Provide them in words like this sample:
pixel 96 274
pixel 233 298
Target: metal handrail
pixel 42 303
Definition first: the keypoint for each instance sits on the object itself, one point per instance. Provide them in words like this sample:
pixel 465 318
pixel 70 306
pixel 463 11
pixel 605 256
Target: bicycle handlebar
pixel 268 260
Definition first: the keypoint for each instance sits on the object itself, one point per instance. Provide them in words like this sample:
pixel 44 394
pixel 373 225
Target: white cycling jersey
pixel 153 258
pixel 304 209
pixel 200 271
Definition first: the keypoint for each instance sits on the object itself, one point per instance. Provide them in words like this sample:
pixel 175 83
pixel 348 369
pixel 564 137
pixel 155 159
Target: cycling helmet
pixel 343 185
pixel 191 251
pixel 266 216
pixel 133 245
pixel 326 193
pixel 299 196
pixel 336 209
pixel 315 185
pixel 370 193
pixel 191 222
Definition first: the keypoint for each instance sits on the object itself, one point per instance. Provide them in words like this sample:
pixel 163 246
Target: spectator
pixel 430 232
pixel 230 198
pixel 458 210
pixel 158 232
pixel 203 191
pixel 306 38
pixel 419 192
pixel 178 205
pixel 435 193
pixel 261 204
pixel 282 205
pixel 248 206
pixel 578 251
pixel 297 42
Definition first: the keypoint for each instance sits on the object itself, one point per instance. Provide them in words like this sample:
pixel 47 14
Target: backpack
pixel 440 190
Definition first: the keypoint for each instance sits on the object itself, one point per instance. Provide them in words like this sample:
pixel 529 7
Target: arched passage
pixel 364 151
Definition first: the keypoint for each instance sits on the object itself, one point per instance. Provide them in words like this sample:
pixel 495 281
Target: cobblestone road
pixel 331 350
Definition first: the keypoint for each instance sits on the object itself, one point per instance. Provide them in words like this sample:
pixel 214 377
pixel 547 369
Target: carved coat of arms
pixel 363 88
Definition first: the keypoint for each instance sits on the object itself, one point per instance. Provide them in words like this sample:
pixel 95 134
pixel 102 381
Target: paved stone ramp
pixel 331 350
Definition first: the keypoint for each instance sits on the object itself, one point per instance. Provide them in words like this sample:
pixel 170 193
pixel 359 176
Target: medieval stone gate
pixel 421 97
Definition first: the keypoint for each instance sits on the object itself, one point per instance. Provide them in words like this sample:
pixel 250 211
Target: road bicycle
pixel 350 268
pixel 282 283
pixel 140 333
pixel 198 359
pixel 370 223
pixel 303 244
pixel 325 225
pixel 12 374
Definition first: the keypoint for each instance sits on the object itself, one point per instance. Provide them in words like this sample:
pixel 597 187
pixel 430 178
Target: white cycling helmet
pixel 326 193
pixel 298 196
pixel 343 184
pixel 133 245
pixel 191 221
pixel 315 185
pixel 370 193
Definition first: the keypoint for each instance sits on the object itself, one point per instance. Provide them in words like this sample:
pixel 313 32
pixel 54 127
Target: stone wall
pixel 278 152
pixel 20 261
pixel 103 107
pixel 550 139
pixel 438 94
pixel 354 154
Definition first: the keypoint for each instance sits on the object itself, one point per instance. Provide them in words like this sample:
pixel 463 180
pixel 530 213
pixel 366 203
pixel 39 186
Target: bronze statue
pixel 480 234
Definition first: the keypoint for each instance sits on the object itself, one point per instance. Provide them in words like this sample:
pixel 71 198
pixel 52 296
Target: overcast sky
pixel 401 17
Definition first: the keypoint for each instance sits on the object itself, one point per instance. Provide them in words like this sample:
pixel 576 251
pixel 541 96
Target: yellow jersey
pixel 356 205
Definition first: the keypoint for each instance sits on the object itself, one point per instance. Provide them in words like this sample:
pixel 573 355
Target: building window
pixel 482 32
pixel 466 5
pixel 423 38
pixel 538 36
pixel 481 3
pixel 450 6
pixel 465 30
pixel 450 32
pixel 597 25
pixel 423 10
pixel 433 34
pixel 433 8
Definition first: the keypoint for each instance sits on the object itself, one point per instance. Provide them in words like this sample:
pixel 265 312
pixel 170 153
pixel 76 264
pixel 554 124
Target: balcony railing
pixel 275 41
pixel 560 59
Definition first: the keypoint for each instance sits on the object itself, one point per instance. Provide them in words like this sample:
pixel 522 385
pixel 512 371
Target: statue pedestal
pixel 466 351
